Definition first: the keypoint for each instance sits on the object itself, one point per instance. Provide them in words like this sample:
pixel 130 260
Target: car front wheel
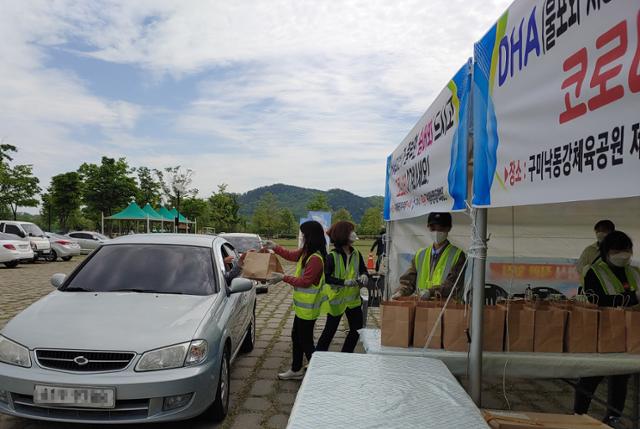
pixel 220 407
pixel 52 256
pixel 11 264
pixel 66 258
pixel 250 337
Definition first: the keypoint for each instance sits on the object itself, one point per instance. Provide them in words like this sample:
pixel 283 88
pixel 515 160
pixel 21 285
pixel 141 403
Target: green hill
pixel 297 198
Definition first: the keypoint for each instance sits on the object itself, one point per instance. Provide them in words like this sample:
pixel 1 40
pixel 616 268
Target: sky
pixel 248 93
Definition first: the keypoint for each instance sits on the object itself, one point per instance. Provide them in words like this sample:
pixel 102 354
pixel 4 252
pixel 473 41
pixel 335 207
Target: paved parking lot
pixel 258 398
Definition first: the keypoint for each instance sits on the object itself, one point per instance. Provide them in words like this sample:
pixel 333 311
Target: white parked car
pixel 88 240
pixel 39 243
pixel 62 247
pixel 14 250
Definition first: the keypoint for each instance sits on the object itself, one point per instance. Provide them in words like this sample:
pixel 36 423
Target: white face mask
pixel 620 259
pixel 600 236
pixel 439 236
pixel 353 237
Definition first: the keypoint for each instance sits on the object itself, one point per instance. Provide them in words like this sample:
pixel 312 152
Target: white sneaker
pixel 291 375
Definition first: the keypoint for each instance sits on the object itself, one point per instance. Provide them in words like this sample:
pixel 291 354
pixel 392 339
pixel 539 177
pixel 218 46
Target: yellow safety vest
pixel 427 279
pixel 610 283
pixel 307 301
pixel 338 298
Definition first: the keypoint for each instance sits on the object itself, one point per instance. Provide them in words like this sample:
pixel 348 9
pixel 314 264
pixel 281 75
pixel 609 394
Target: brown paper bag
pixel 455 322
pixel 397 323
pixel 520 327
pixel 582 330
pixel 612 330
pixel 260 266
pixel 549 327
pixel 633 331
pixel 426 317
pixel 493 328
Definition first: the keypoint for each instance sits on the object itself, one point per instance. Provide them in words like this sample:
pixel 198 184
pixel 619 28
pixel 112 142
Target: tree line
pixel 78 199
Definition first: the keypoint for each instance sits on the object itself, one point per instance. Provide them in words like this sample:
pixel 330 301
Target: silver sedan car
pixel 144 330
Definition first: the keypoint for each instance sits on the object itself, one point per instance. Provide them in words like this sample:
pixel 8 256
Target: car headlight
pixel 13 353
pixel 179 355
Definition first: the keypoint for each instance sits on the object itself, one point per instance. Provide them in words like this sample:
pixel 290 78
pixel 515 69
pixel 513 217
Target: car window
pixel 32 229
pixel 243 244
pixel 13 229
pixel 85 236
pixel 1 226
pixel 147 268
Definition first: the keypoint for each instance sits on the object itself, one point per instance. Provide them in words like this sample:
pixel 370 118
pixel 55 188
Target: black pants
pixel 354 316
pixel 302 341
pixel 378 261
pixel 617 393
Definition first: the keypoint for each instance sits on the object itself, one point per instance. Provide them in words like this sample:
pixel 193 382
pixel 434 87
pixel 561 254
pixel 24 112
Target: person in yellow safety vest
pixel 592 252
pixel 610 282
pixel 436 268
pixel 307 292
pixel 345 272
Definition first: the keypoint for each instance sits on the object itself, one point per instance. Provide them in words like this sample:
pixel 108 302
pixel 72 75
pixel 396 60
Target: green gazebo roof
pixel 153 215
pixel 132 212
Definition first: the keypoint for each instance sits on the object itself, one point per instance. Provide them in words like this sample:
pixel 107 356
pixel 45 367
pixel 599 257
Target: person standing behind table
pixel 436 268
pixel 307 291
pixel 345 272
pixel 380 246
pixel 615 282
pixel 592 252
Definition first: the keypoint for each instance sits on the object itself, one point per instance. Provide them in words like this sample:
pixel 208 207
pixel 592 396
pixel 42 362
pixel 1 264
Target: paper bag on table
pixel 493 328
pixel 455 322
pixel 426 318
pixel 519 327
pixel 582 330
pixel 260 266
pixel 397 323
pixel 612 330
pixel 633 331
pixel 549 327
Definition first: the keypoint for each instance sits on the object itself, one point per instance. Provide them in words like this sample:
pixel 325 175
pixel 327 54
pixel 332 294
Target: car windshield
pixel 242 244
pixel 147 268
pixel 32 229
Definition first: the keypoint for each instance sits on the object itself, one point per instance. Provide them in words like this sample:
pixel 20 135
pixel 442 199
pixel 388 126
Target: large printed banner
pixel 428 171
pixel 557 103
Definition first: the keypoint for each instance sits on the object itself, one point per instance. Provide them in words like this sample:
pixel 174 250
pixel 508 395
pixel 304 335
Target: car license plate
pixel 90 397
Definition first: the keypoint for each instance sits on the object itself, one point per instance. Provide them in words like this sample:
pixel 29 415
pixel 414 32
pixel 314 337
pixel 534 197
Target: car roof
pixel 179 239
pixel 238 234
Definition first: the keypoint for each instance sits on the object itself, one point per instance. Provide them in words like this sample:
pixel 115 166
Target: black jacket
pixel 592 286
pixel 329 267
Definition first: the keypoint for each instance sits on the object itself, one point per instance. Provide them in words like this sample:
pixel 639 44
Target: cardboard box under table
pixel 522 420
pixel 344 390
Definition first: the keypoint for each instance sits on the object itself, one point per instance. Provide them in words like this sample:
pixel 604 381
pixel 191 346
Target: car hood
pixel 124 321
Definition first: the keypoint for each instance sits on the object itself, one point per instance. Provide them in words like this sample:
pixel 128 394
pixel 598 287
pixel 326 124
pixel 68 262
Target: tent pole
pixel 101 223
pixel 478 252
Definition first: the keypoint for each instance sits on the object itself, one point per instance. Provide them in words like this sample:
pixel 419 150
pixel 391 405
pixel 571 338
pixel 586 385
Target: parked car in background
pixel 62 247
pixel 144 330
pixel 39 243
pixel 88 240
pixel 14 249
pixel 243 242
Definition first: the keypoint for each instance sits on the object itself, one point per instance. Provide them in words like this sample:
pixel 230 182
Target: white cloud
pixel 304 92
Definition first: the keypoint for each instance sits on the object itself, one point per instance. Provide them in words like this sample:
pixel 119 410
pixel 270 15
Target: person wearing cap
pixel 436 268
pixel 592 252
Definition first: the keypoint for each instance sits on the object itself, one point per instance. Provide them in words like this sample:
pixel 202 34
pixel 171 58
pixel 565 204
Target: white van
pixel 39 242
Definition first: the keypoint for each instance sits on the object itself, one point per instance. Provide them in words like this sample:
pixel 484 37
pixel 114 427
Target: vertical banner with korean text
pixel 428 171
pixel 556 103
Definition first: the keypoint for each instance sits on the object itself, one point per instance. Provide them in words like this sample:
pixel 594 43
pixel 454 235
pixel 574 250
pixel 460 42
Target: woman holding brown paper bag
pixel 307 292
pixel 611 282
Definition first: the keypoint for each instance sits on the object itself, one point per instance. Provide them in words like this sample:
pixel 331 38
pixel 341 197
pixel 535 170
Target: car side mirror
pixel 58 279
pixel 21 234
pixel 239 285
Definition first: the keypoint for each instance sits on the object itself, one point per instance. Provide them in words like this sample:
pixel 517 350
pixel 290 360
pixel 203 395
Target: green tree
pixel 224 210
pixel 342 214
pixel 196 209
pixel 176 184
pixel 46 213
pixel 371 222
pixel 265 217
pixel 319 203
pixel 287 221
pixel 64 197
pixel 108 187
pixel 18 187
pixel 149 188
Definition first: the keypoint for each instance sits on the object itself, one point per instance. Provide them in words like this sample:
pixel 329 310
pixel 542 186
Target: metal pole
pixel 385 261
pixel 478 253
pixel 102 223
